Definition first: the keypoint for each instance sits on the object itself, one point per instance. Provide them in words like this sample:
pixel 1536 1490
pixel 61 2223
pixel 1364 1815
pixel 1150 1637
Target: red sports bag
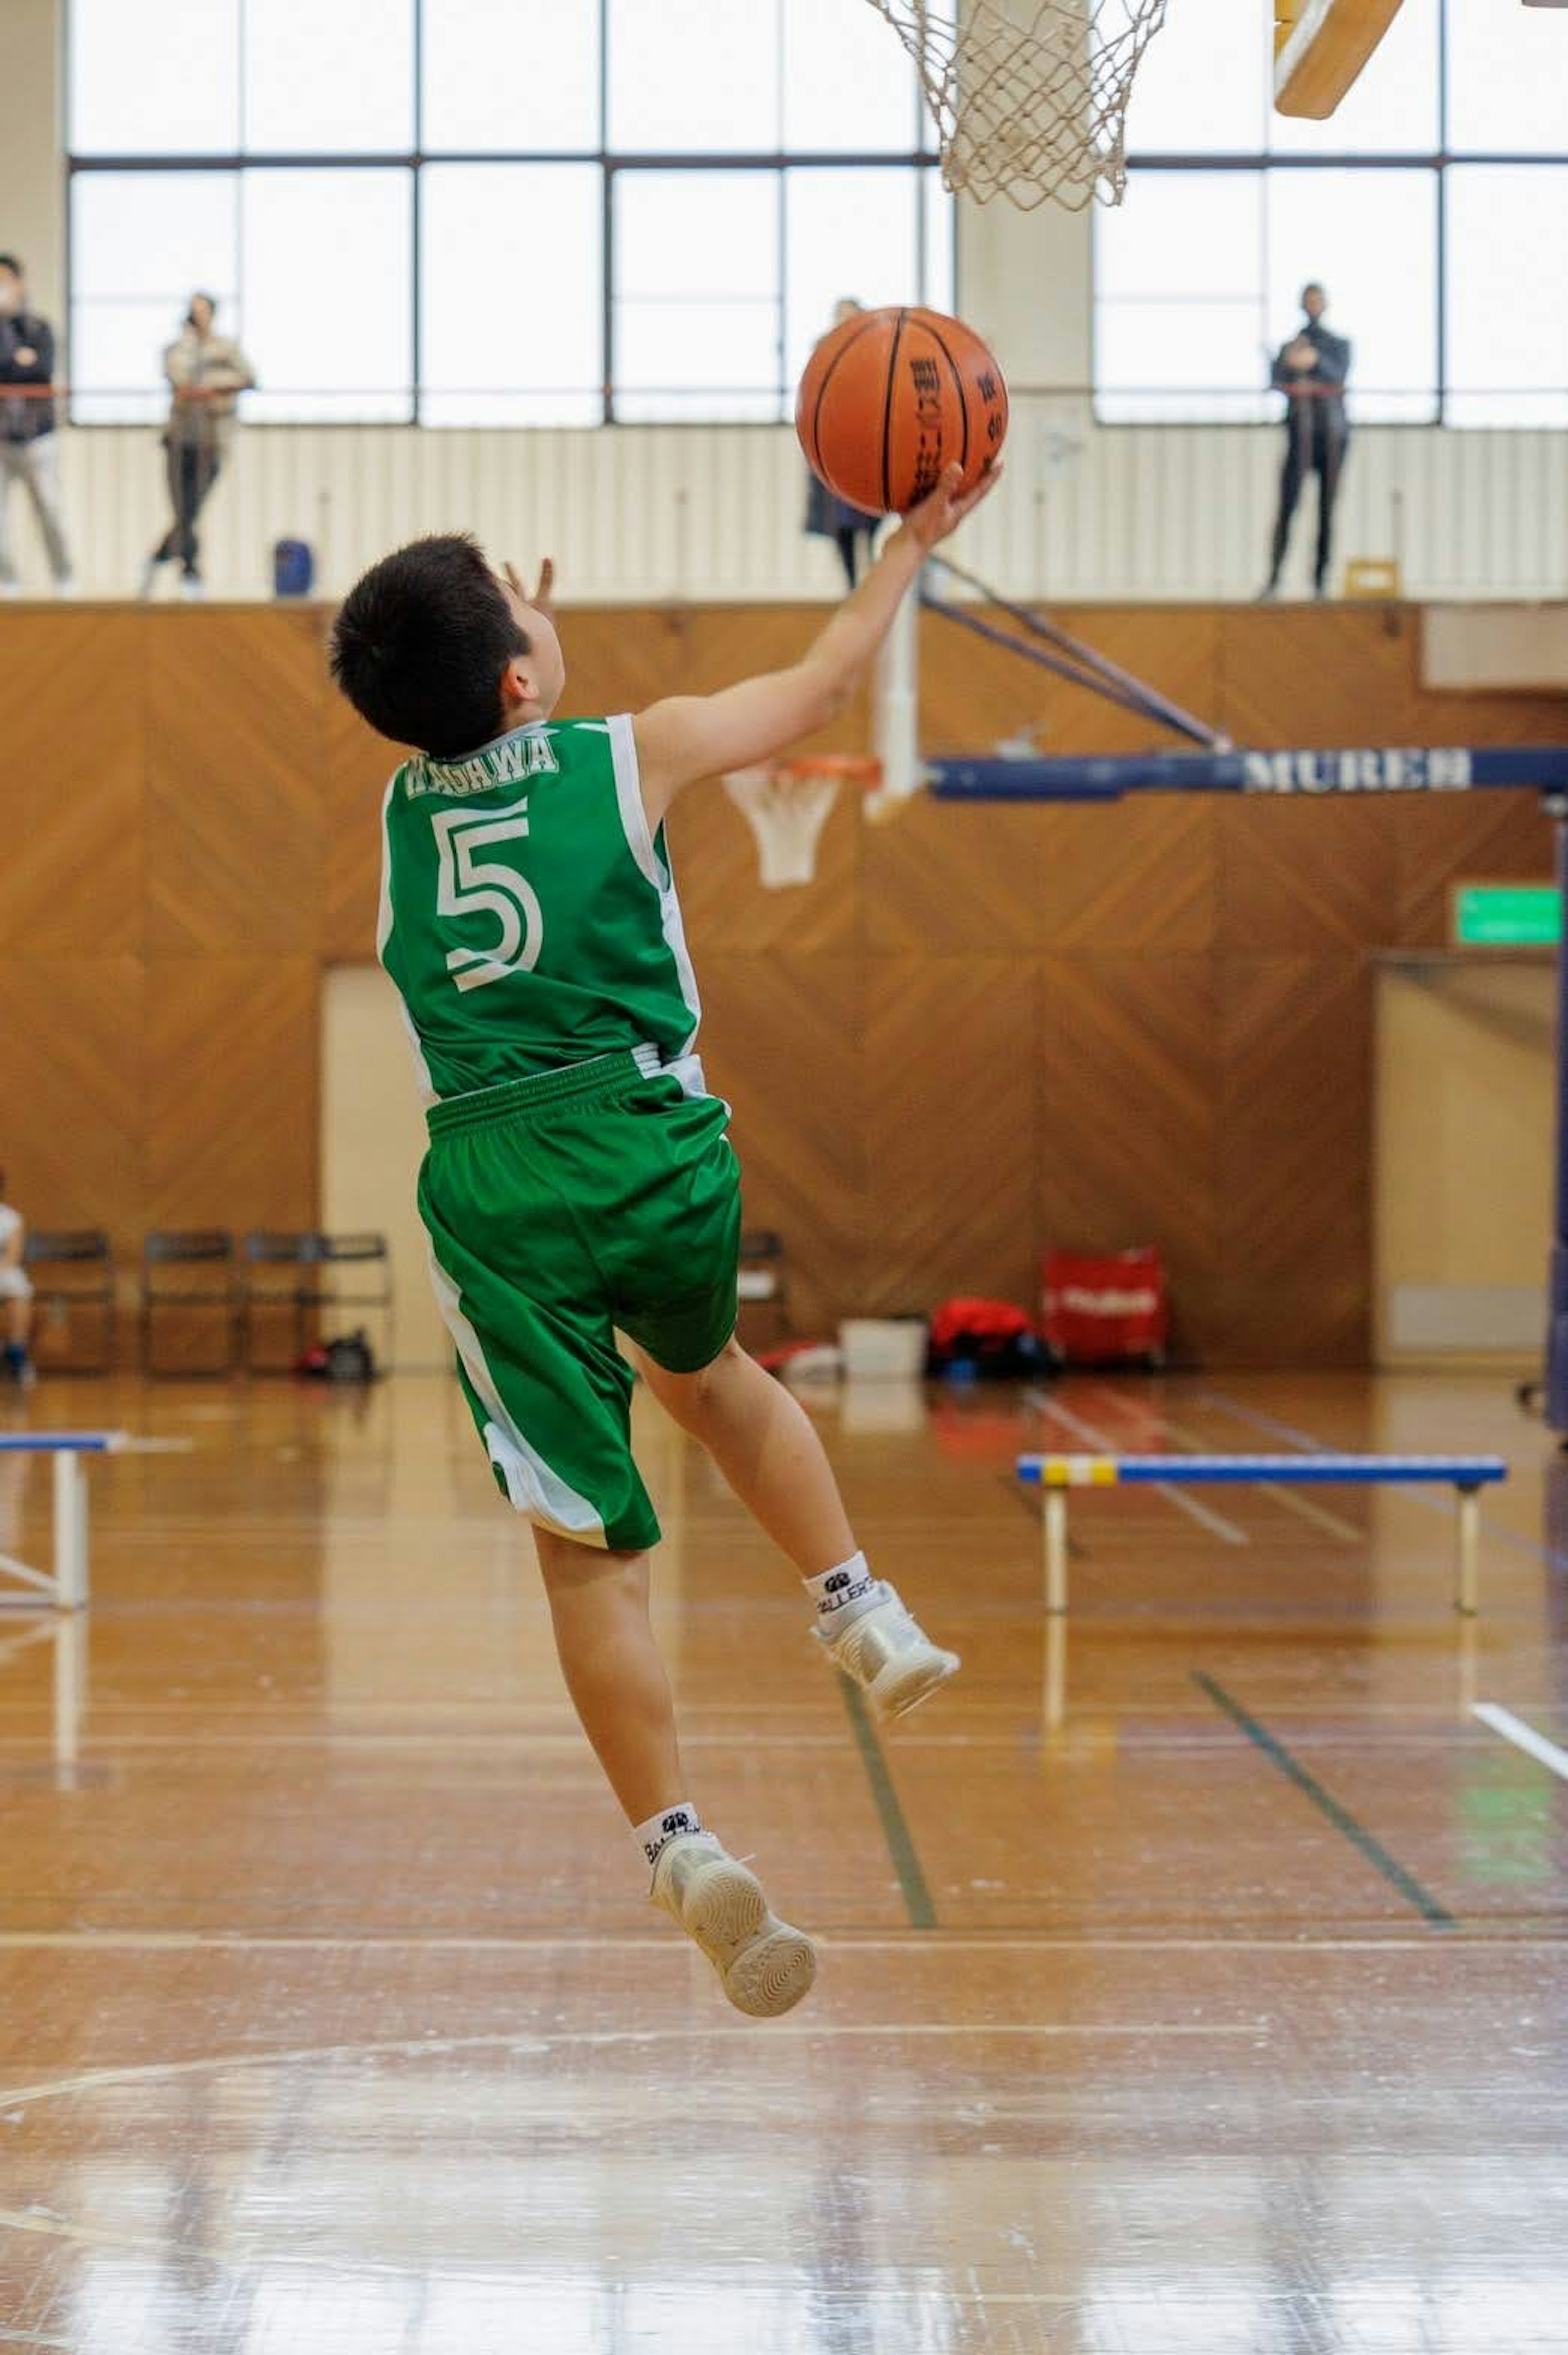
pixel 1103 1308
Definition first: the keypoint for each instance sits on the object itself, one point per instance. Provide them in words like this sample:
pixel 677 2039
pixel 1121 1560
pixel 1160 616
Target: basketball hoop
pixel 1030 96
pixel 787 805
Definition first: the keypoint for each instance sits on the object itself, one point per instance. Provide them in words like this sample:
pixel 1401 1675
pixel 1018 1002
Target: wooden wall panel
pixel 941 877
pixel 948 1104
pixel 1317 675
pixel 781 1039
pixel 979 1030
pixel 1294 1160
pixel 73 1077
pixel 231 1118
pixel 1143 875
pixel 74 752
pixel 974 692
pixel 235 718
pixel 1462 837
pixel 1126 1118
pixel 1298 874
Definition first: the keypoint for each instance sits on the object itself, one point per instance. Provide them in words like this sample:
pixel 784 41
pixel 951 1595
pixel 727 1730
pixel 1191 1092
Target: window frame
pixel 1439 161
pixel 612 164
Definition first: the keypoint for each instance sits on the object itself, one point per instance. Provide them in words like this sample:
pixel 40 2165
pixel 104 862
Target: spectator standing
pixel 207 372
pixel 828 516
pixel 16 1291
pixel 1310 370
pixel 29 450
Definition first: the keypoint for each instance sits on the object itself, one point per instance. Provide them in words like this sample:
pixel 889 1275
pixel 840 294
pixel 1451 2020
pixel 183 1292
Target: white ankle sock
pixel 843 1596
pixel 654 1836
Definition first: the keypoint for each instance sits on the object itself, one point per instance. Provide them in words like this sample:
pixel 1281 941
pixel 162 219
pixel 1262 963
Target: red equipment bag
pixel 1103 1308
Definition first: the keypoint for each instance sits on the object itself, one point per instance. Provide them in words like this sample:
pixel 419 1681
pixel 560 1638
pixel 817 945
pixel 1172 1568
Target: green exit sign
pixel 1507 916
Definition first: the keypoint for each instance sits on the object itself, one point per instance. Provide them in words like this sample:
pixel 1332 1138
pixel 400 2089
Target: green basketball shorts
pixel 558 1210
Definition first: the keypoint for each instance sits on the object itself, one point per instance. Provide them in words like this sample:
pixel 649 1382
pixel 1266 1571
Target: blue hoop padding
pixel 61 1443
pixel 1456 1471
pixel 1355 769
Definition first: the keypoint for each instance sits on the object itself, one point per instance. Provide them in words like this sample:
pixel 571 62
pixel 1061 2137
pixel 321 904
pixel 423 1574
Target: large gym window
pixel 507 212
pixel 1457 122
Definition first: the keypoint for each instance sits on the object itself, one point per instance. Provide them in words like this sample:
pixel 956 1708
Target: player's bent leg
pixel 768 1450
pixel 765 1444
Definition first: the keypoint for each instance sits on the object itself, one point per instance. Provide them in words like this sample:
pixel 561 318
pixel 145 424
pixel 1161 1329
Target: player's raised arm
pixel 691 736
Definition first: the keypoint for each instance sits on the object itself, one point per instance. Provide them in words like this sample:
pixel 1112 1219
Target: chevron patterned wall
pixel 979 1030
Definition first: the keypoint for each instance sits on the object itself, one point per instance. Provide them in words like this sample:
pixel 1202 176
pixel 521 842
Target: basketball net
pixel 786 810
pixel 1030 96
pixel 788 805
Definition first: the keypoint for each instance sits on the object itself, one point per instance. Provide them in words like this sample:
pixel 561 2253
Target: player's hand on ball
pixel 941 511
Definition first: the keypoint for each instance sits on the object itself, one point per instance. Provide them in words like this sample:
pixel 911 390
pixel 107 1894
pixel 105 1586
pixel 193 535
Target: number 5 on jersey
pixel 468 885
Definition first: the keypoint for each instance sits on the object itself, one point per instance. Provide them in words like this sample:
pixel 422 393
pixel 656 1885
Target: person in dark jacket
pixel 29 452
pixel 1310 370
pixel 828 516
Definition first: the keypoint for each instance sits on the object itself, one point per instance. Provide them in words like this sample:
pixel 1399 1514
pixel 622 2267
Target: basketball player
pixel 578 1178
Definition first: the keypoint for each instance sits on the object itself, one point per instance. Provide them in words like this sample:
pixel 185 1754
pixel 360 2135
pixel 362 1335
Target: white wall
pixel 713 513
pixel 372 1141
pixel 32 180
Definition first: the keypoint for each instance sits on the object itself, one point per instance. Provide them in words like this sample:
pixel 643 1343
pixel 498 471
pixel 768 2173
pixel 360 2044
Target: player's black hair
pixel 420 641
pixel 9 262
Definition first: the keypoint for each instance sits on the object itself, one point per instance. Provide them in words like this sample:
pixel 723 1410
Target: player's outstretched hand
pixel 542 595
pixel 943 512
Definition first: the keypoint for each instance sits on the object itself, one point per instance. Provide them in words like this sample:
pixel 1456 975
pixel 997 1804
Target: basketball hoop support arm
pixel 895 738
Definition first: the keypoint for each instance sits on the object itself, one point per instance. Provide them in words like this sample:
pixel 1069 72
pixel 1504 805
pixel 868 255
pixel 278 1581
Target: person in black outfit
pixel 1310 370
pixel 828 516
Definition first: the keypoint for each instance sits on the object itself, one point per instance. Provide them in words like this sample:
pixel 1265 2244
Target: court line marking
pixel 913 1886
pixel 1306 1507
pixel 524 2042
pixel 1481 1935
pixel 1523 1737
pixel 1193 1506
pixel 9 2338
pixel 1335 1813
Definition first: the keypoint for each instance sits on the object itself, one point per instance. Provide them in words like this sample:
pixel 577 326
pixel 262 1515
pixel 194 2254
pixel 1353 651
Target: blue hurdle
pixel 68 1588
pixel 1467 1474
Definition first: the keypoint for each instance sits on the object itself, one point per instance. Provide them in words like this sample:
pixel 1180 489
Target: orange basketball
pixel 888 398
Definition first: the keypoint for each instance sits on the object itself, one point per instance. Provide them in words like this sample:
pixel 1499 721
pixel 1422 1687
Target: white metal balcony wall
pixel 713 513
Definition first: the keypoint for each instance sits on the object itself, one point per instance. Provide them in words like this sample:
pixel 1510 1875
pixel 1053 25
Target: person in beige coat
pixel 208 373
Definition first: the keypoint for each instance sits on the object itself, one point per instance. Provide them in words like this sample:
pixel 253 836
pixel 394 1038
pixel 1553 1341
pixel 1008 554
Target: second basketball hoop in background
pixel 788 804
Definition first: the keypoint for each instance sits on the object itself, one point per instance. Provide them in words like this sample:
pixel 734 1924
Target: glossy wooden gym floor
pixel 1229 2015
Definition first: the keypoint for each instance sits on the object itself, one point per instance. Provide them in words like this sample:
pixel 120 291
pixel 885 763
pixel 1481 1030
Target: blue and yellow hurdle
pixel 1466 1474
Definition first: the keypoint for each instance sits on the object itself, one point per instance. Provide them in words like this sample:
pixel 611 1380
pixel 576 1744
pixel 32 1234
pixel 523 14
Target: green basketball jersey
pixel 528 916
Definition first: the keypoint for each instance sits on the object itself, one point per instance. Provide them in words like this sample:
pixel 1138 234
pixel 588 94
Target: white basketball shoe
pixel 764 1965
pixel 889 1655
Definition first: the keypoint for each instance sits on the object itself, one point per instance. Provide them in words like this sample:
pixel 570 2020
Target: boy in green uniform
pixel 578 1178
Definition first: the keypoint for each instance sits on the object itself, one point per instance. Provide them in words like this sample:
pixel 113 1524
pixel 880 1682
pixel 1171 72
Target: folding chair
pixel 298 1291
pixel 166 1255
pixel 369 1253
pixel 72 1270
